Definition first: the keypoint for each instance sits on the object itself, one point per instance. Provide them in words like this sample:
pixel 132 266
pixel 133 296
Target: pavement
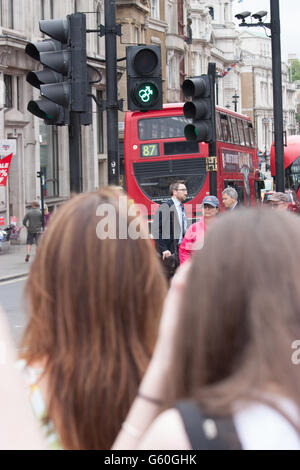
pixel 12 262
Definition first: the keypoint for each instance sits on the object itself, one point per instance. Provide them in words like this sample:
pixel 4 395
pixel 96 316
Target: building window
pixel 10 13
pixel 51 10
pixel 226 12
pixel 20 93
pixel 42 9
pixel 155 9
pixel 180 17
pixel 98 26
pixel 49 158
pixel 8 101
pixel 100 140
pixel 212 13
pixel 136 35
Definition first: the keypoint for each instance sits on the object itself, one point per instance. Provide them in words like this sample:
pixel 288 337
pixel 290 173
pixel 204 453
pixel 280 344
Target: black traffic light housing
pixel 51 112
pixel 201 109
pixel 64 81
pixel 144 78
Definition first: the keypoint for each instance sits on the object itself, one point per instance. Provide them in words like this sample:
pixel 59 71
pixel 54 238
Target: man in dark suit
pixel 170 224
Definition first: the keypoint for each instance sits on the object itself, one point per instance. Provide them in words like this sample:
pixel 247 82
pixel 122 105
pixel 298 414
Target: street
pixel 11 300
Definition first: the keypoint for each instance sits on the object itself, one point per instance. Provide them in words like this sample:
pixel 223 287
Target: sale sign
pixel 7 151
pixel 4 169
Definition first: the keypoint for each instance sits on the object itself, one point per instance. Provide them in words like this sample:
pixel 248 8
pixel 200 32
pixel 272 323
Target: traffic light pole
pixel 277 96
pixel 213 187
pixel 112 106
pixel 75 156
pixel 42 179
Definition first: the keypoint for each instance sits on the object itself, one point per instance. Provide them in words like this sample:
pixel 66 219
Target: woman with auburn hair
pixel 94 307
pixel 230 377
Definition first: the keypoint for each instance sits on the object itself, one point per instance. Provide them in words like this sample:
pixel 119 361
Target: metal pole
pixel 111 93
pixel 42 182
pixel 212 149
pixel 75 153
pixel 277 96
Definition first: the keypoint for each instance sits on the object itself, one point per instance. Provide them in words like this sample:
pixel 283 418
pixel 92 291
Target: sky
pixel 289 22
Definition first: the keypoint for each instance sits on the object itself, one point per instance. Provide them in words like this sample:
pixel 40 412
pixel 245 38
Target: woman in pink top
pixel 194 237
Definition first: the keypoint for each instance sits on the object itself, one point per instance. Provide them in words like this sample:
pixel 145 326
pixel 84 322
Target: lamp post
pixel 265 122
pixel 235 100
pixel 274 26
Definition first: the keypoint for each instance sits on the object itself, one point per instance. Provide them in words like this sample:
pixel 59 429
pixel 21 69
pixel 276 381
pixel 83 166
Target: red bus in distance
pixel 156 154
pixel 291 163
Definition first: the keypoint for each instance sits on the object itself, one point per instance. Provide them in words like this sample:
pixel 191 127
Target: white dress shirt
pixel 179 213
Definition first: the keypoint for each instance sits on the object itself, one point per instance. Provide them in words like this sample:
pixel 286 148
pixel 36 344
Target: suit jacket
pixel 166 229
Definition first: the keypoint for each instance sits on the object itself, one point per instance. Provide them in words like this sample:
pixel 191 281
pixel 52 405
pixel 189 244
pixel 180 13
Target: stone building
pixel 257 89
pixel 215 39
pixel 40 146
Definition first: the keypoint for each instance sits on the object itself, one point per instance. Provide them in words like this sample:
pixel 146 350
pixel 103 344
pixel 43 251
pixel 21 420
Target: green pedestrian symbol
pixel 145 94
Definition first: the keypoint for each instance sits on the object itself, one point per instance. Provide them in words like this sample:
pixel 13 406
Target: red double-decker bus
pixel 291 163
pixel 156 154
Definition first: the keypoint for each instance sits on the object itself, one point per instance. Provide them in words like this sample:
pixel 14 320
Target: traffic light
pixel 51 112
pixel 201 109
pixel 64 80
pixel 144 78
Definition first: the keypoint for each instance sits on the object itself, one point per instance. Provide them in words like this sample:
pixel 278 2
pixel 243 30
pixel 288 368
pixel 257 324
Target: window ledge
pixel 13 34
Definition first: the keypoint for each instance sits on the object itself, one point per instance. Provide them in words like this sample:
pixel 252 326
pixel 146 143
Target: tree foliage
pixel 295 70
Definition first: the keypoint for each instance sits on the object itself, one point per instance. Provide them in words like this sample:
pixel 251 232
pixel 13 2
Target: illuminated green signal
pixel 146 94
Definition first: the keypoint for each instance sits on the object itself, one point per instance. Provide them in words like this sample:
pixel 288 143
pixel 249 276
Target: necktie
pixel 182 220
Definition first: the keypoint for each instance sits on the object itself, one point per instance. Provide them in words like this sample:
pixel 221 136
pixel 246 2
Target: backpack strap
pixel 205 432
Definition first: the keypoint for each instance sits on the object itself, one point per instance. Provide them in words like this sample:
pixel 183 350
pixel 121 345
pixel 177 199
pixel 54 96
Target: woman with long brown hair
pixel 95 299
pixel 230 378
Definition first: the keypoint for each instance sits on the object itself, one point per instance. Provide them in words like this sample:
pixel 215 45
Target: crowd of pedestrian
pixel 112 358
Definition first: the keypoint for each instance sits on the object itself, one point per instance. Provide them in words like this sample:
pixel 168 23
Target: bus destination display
pixel 149 150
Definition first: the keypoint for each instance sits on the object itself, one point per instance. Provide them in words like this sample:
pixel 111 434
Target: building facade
pixel 257 89
pixel 40 146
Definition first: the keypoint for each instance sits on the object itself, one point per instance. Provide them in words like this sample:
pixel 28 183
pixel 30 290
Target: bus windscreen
pixel 162 128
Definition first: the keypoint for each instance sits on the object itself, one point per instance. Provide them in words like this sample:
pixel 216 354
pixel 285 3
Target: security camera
pixel 243 15
pixel 259 15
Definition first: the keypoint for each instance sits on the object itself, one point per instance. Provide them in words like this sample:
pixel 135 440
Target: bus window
pixel 172 132
pixel 162 128
pixel 247 135
pixel 218 126
pixel 231 138
pixel 225 128
pixel 251 132
pixel 241 131
pixel 235 131
pixel 292 174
